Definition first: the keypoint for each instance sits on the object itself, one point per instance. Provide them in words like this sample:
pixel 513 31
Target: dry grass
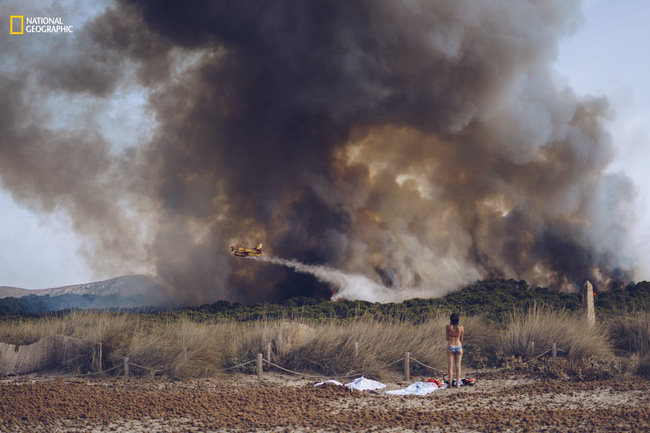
pixel 544 327
pixel 331 350
pixel 643 368
pixel 631 333
pixel 176 348
pixel 181 348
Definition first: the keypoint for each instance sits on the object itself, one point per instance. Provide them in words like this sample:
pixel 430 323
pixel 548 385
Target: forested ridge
pixel 494 299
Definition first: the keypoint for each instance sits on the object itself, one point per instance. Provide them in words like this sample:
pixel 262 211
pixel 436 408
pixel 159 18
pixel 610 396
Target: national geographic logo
pixel 16 24
pixel 19 24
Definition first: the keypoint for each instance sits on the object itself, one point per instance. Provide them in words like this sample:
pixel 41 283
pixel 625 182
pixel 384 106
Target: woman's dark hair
pixel 453 319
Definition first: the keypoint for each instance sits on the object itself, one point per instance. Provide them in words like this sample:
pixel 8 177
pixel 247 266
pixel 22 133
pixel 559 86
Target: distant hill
pixel 6 291
pixel 127 286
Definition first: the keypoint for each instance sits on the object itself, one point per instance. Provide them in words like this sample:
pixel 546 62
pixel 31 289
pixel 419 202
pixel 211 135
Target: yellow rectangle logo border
pixel 11 24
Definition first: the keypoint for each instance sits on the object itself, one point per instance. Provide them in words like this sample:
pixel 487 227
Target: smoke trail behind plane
pixel 344 285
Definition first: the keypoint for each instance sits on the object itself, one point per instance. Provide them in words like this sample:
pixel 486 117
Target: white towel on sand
pixel 363 384
pixel 335 382
pixel 417 388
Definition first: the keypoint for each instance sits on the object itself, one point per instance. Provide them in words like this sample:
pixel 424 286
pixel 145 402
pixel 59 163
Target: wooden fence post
pixel 259 366
pixel 97 358
pixel 268 352
pixel 554 350
pixel 407 366
pixel 126 367
pixel 531 348
pixel 356 349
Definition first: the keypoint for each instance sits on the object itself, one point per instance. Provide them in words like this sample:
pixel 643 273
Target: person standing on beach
pixel 455 334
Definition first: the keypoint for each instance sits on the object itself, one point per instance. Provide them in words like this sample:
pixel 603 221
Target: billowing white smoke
pixel 344 285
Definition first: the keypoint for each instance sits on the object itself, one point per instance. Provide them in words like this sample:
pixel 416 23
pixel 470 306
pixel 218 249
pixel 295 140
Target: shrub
pixel 544 327
pixel 631 333
pixel 644 366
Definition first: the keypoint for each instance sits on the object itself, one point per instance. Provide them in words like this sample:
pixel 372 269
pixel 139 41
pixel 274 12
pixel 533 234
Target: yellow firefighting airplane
pixel 246 252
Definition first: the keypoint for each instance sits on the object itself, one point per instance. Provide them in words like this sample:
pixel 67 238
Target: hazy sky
pixel 606 56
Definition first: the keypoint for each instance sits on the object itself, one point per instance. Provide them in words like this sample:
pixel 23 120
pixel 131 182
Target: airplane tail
pixel 259 248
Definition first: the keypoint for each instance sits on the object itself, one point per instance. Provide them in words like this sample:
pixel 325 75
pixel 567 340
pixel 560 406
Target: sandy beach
pixel 498 402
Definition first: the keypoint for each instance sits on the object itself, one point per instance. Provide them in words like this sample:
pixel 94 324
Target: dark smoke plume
pixel 417 145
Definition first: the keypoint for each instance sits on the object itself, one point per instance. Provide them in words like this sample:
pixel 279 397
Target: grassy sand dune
pixel 181 348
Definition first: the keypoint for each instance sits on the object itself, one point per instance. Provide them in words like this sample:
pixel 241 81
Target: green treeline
pixel 494 299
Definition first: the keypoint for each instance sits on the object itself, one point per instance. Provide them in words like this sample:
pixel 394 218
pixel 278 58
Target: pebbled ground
pixel 241 403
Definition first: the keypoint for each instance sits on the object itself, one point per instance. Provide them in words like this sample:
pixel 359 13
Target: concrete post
pixel 588 309
pixel 531 349
pixel 554 350
pixel 259 366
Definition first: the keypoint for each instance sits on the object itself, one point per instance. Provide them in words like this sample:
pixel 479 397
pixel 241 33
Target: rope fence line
pixel 310 375
pixel 235 366
pixel 153 371
pixel 544 353
pixel 427 366
pixel 350 374
pixel 394 362
pixel 260 362
pixel 320 376
pixel 103 371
